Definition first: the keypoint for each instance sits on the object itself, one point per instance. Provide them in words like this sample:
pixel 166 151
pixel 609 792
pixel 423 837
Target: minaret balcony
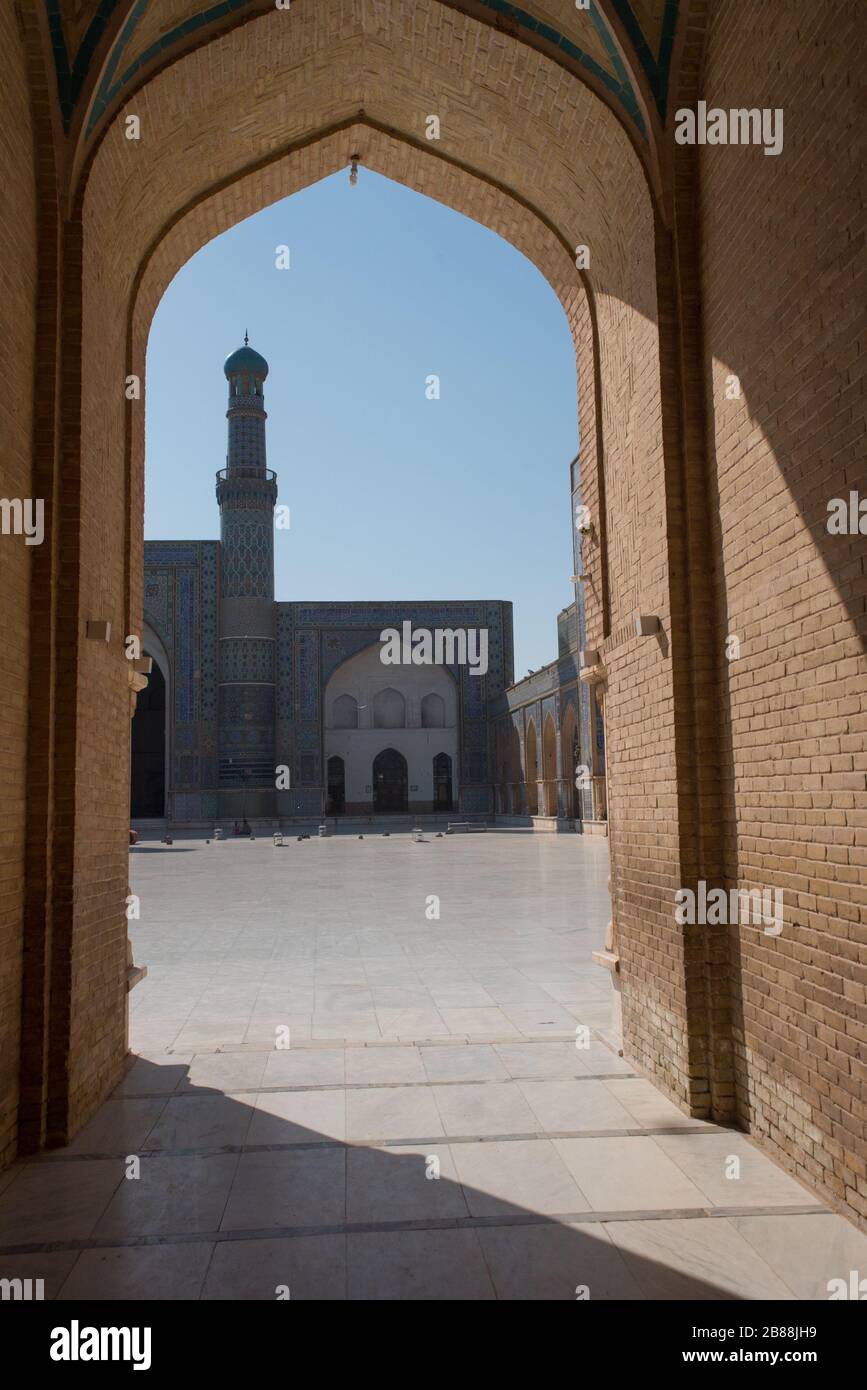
pixel 246 485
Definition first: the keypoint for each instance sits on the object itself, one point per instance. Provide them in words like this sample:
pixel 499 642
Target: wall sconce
pixel 98 631
pixel 646 624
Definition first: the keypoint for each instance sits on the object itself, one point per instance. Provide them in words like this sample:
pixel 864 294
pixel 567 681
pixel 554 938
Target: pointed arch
pixel 531 768
pixel 569 759
pixel 389 709
pixel 549 764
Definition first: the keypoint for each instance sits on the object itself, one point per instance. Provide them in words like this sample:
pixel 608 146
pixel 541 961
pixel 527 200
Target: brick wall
pixel 784 292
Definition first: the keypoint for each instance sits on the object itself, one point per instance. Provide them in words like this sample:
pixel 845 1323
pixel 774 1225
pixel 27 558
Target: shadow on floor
pixel 180 1191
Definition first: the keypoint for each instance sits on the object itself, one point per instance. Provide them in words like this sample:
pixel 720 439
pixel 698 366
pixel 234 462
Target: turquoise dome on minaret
pixel 245 359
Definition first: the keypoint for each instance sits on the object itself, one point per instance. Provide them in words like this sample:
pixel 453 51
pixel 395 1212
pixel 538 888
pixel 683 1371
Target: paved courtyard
pixel 357 1077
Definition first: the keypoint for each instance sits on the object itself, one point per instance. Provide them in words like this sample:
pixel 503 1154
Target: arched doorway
pixel 336 787
pixel 569 761
pixel 442 782
pixel 390 782
pixel 514 803
pixel 549 765
pixel 531 771
pixel 148 751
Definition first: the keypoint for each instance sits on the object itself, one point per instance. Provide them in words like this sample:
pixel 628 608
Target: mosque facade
pixel 259 709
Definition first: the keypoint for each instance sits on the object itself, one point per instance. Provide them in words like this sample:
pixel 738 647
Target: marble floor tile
pixel 392 1112
pixel 172 1196
pixel 649 1108
pixel 566 1104
pixel 224 1071
pixel 398 1184
pixel 305 1066
pixel 140 1272
pixel 298 1117
pixel 704 1258
pixel 57 1200
pixel 384 1065
pixel 299 1268
pixel 529 1060
pixel 196 1121
pixel 557 1262
pixel 411 1023
pixel 809 1252
pixel 417 1265
pixel 516 1178
pixel 296 1187
pixel 628 1175
pixel 52 1267
pixel 706 1159
pixel 462 1062
pixel 120 1126
pixel 485 1022
pixel 487 1108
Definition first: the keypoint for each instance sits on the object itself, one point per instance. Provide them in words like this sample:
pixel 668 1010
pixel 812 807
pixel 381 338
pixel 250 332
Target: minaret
pixel 247 494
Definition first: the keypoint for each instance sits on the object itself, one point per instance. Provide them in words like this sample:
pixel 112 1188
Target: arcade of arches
pixel 721 407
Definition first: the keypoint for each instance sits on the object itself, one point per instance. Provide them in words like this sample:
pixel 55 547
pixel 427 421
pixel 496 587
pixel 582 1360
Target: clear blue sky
pixel 392 495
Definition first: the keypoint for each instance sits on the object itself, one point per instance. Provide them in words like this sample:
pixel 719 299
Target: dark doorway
pixel 390 781
pixel 148 782
pixel 336 787
pixel 442 780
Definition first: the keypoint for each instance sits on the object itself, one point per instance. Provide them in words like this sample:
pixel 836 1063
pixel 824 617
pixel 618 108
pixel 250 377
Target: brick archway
pixel 547 154
pixel 144 206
